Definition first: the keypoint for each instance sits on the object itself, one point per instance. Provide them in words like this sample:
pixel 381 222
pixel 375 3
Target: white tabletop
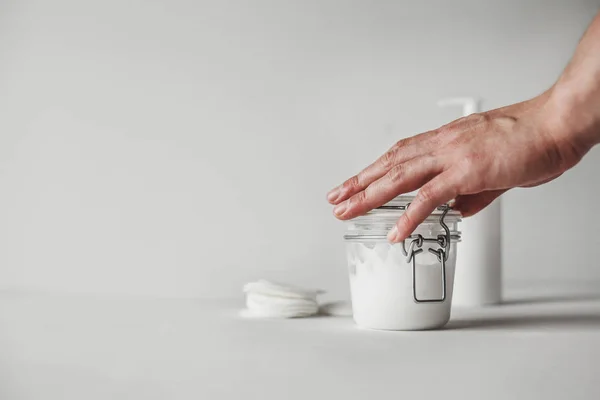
pixel 84 347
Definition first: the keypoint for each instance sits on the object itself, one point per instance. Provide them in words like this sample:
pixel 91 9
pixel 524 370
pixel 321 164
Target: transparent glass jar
pixel 407 285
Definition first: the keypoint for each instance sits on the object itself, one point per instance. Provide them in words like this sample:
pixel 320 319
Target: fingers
pixel 402 178
pixel 471 204
pixel 364 178
pixel 434 193
pixel 402 151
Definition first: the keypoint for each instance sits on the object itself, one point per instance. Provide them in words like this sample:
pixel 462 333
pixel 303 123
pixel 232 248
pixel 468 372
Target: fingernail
pixel 333 194
pixel 340 208
pixel 393 234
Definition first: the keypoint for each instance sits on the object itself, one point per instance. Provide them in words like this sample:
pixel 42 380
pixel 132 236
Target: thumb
pixel 471 204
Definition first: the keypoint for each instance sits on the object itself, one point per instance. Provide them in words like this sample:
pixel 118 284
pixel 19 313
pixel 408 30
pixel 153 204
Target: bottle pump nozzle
pixel 470 105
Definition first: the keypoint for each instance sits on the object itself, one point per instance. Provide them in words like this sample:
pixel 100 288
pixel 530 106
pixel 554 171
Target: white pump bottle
pixel 478 276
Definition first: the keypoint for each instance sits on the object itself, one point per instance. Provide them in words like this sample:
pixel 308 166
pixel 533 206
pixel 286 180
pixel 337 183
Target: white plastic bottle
pixel 478 276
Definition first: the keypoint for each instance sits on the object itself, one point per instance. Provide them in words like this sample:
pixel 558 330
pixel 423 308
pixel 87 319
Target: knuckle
pixel 352 183
pixel 387 159
pixel 427 194
pixel 402 142
pixel 448 128
pixel 452 126
pixel 396 173
pixel 478 118
pixel 359 199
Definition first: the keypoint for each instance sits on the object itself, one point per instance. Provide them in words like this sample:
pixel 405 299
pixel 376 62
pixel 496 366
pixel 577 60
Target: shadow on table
pixel 551 299
pixel 585 321
pixel 582 320
pixel 335 309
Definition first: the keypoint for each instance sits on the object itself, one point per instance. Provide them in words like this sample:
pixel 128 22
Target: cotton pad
pixel 265 299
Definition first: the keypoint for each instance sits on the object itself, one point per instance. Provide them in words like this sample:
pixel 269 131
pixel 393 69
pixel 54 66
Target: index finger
pixel 404 150
pixel 434 193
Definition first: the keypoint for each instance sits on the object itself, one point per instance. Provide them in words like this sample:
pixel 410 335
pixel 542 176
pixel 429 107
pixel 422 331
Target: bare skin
pixel 473 160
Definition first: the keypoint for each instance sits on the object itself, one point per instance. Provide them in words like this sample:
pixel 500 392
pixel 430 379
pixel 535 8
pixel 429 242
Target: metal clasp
pixel 415 248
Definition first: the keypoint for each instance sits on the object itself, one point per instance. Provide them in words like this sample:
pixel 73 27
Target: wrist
pixel 573 115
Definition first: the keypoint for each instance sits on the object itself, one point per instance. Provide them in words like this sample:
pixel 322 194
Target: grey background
pixel 182 148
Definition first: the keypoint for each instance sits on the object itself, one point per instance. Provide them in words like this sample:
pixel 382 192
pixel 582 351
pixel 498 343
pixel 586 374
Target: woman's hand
pixel 472 161
pixel 475 159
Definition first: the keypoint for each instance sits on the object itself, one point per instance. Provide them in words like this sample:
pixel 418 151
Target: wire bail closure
pixel 415 248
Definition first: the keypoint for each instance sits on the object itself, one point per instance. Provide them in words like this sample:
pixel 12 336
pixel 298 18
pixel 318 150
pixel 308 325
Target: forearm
pixel 575 97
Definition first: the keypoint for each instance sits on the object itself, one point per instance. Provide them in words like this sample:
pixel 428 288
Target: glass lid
pixel 401 203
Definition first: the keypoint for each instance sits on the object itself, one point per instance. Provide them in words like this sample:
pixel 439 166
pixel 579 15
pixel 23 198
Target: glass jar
pixel 406 285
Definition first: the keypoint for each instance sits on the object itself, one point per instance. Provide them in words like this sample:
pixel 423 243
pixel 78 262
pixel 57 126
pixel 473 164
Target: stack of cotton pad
pixel 266 299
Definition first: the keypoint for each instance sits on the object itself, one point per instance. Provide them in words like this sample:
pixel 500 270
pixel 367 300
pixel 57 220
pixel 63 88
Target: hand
pixel 475 159
pixel 470 162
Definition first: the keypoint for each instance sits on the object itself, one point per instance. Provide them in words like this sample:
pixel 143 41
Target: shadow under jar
pixel 407 285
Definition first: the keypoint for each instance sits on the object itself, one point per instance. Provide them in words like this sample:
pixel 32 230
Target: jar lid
pixel 402 202
pixel 376 223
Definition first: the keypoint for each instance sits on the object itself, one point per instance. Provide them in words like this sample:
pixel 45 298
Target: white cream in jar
pixel 396 288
